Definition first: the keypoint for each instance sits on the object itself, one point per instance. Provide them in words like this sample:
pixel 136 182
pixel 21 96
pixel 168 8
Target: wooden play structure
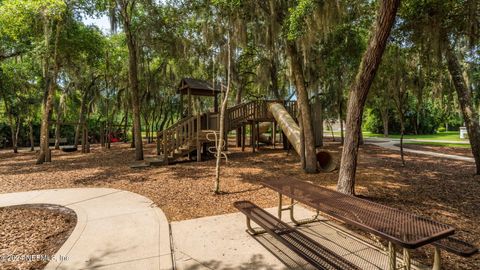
pixel 190 135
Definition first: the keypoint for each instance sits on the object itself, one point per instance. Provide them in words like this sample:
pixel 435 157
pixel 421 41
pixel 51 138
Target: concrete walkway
pixel 392 145
pixel 115 229
pixel 221 242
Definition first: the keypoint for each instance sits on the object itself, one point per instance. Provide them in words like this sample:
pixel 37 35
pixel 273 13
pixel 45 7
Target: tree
pixel 304 108
pixel 359 90
pixel 221 139
pixel 127 9
pixel 51 13
pixel 294 18
pixel 470 114
pixel 459 25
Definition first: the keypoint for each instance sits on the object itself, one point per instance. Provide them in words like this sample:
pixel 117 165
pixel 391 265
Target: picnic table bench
pixel 398 227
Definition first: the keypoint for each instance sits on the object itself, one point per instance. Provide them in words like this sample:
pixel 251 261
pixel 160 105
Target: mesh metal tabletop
pixel 400 227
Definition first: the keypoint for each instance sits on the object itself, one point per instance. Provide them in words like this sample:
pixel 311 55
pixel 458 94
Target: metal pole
pixel 437 260
pixel 392 257
pixel 280 206
pixel 406 259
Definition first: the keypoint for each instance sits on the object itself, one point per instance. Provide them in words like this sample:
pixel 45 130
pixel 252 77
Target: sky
pixel 103 23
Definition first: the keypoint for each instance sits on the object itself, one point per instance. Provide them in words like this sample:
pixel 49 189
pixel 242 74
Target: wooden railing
pixel 255 110
pixel 181 135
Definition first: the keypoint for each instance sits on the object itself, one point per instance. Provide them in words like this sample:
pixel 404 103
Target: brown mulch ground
pixel 459 151
pixel 444 190
pixel 31 235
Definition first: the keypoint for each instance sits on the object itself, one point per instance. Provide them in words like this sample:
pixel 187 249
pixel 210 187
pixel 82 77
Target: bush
pixel 372 121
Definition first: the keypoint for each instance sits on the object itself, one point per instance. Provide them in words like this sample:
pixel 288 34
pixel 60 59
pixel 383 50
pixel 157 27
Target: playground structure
pixel 191 135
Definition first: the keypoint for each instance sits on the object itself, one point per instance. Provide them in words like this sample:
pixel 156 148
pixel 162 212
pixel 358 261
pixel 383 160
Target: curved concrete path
pixel 391 144
pixel 115 229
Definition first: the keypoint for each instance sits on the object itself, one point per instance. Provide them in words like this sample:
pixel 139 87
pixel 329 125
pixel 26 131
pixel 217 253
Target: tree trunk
pixel 359 91
pixel 133 78
pixel 360 137
pixel 81 117
pixel 384 113
pixel 220 142
pixel 164 121
pixel 50 79
pixel 132 143
pixel 14 128
pixel 58 125
pixel 238 100
pixel 342 134
pixel 304 108
pixel 470 115
pixel 402 133
pixel 125 127
pixel 30 132
pixel 302 142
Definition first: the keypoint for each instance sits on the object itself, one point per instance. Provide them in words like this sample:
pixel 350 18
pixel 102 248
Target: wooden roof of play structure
pixel 197 87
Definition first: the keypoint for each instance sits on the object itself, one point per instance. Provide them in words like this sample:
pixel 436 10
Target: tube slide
pixel 288 125
pixel 325 159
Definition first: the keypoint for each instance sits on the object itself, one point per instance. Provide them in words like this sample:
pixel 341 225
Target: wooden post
pixel 199 145
pixel 257 136
pixel 215 103
pixel 207 120
pixel 189 103
pixel 181 105
pixel 226 128
pixel 165 151
pixel 243 137
pixel 252 136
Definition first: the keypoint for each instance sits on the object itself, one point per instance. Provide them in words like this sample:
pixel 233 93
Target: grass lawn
pixel 444 136
pixel 460 145
pixel 441 136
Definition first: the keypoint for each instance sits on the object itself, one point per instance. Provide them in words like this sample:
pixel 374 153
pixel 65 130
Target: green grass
pixel 458 145
pixel 445 136
pixel 440 136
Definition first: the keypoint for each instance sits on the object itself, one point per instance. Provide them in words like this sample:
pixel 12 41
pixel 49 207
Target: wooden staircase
pixel 189 134
pixel 181 139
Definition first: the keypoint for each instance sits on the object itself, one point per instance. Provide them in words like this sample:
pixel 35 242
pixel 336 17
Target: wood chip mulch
pixel 31 234
pixel 441 189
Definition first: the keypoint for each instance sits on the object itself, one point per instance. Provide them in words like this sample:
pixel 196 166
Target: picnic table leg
pixel 251 230
pixel 392 257
pixel 300 222
pixel 406 258
pixel 280 207
pixel 437 260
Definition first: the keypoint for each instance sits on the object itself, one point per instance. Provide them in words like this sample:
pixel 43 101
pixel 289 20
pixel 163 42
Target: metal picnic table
pixel 404 229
